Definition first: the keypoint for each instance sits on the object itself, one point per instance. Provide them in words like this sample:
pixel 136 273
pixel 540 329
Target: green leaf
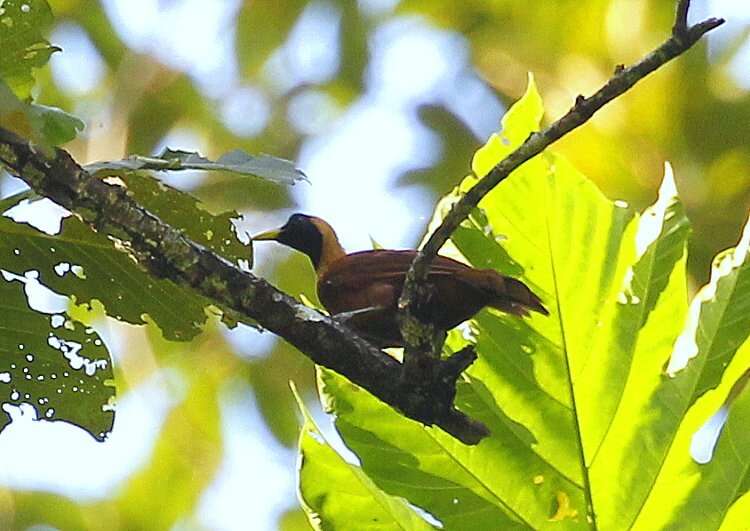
pixel 87 265
pixel 256 38
pixel 338 495
pixel 22 27
pixel 183 211
pixel 55 125
pixel 236 161
pixel 519 122
pixel 716 338
pixel 58 365
pixel 586 426
pixel 456 484
pixel 32 508
pixel 45 125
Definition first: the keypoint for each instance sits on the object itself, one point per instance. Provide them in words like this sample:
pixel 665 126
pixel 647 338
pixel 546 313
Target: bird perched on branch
pixel 364 287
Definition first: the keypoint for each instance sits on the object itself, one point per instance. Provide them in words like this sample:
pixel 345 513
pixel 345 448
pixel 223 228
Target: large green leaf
pixel 338 495
pixel 588 428
pixel 58 365
pixel 183 211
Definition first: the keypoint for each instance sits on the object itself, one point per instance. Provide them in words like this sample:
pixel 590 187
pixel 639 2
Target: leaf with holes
pixel 595 420
pixel 214 231
pixel 22 27
pixel 57 365
pixel 87 265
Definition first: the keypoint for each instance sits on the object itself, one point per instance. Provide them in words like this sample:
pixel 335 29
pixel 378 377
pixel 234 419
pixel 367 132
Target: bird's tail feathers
pixel 509 294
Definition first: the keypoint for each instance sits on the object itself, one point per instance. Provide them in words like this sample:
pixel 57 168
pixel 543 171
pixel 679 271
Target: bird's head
pixel 304 233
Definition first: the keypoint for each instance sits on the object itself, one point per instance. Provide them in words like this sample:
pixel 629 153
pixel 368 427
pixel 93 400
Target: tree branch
pixel 164 251
pixel 424 387
pixel 421 339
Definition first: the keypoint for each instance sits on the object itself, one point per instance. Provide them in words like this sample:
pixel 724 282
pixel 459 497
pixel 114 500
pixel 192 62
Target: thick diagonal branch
pixel 421 338
pixel 165 251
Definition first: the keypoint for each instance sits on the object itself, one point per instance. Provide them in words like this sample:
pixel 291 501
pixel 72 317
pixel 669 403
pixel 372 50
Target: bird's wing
pixel 383 266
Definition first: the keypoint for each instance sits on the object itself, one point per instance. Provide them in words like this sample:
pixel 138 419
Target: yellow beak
pixel 268 235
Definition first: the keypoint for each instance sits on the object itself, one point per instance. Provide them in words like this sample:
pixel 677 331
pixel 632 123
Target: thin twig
pixel 418 335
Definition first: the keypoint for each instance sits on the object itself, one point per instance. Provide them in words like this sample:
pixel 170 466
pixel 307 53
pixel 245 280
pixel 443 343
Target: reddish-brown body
pixel 374 279
pixel 369 283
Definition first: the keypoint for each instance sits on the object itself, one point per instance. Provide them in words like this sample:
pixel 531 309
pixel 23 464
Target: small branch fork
pixel 422 340
pixel 424 387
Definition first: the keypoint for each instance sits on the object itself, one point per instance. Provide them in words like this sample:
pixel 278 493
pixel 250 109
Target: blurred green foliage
pixel 693 113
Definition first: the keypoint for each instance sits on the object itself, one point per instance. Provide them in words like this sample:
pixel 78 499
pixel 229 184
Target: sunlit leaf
pixel 293 520
pixel 456 484
pixel 183 211
pixel 27 509
pixel 86 265
pixel 338 495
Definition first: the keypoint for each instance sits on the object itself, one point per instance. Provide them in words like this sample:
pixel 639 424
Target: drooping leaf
pixel 56 364
pixel 338 495
pixel 237 161
pixel 22 27
pixel 587 427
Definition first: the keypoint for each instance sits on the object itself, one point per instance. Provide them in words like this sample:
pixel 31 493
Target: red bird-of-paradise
pixel 365 286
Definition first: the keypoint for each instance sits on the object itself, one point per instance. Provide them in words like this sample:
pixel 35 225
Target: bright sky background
pixel 355 161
